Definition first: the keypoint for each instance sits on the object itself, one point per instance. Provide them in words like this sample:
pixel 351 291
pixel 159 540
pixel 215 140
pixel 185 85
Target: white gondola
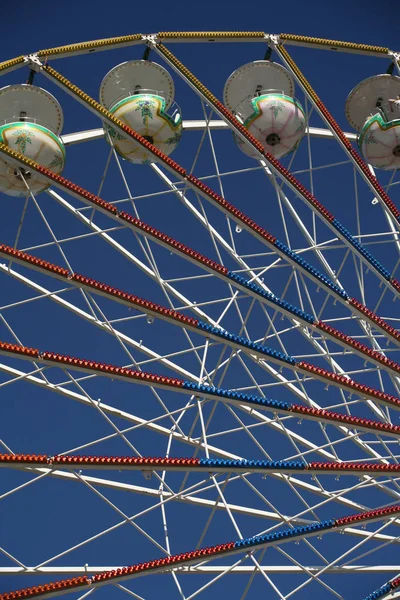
pixel 141 94
pixel 373 109
pixel 260 94
pixel 31 120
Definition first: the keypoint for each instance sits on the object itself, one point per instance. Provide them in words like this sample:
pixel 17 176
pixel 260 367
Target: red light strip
pixel 105 114
pixel 51 358
pixel 169 242
pixel 332 124
pixel 344 382
pixel 163 312
pixel 174 463
pixel 168 562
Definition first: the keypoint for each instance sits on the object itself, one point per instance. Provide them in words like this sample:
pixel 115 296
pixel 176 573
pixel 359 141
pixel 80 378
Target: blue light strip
pixel 297 312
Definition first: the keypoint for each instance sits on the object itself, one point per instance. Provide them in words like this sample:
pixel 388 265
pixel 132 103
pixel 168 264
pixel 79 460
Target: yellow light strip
pixel 188 74
pixel 282 50
pixel 20 157
pixel 103 112
pixel 210 36
pixel 81 94
pixel 359 164
pixel 137 38
pixel 304 40
pixel 8 65
pixel 91 46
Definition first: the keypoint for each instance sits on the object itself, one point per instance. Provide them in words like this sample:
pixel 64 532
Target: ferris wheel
pixel 199 320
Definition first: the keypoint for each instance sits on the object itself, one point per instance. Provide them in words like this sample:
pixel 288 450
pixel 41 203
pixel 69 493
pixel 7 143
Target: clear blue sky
pixel 49 24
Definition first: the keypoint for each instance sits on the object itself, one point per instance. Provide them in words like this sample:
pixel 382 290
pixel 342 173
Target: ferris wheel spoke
pixel 219 179
pixel 111 328
pixel 37 369
pixel 344 555
pixel 222 572
pixel 21 223
pixel 333 456
pixel 310 238
pixel 359 164
pixel 187 203
pixel 12 558
pixel 205 502
pixel 203 218
pixel 233 123
pixel 131 257
pixel 278 383
pixel 130 519
pixel 237 530
pixel 140 422
pixel 332 273
pixel 203 391
pixel 109 420
pixel 236 547
pixel 49 229
pixel 58 245
pixel 113 411
pixel 342 265
pixel 145 245
pixel 166 534
pixel 161 500
pixel 87 100
pixel 105 326
pixel 119 512
pixel 314 577
pixel 24 485
pixel 128 591
pixel 394 236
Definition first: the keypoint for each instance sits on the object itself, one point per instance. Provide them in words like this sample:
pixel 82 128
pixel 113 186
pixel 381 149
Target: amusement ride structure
pixel 199 320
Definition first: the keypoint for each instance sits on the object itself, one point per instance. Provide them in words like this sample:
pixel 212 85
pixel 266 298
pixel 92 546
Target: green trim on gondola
pixel 160 101
pixel 33 127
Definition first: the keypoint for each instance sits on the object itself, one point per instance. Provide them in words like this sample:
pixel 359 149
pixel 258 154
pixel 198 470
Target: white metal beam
pixel 190 125
pixel 204 569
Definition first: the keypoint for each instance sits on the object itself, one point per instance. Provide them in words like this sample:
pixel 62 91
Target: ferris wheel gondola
pixel 373 109
pixel 141 94
pixel 216 336
pixel 31 121
pixel 261 94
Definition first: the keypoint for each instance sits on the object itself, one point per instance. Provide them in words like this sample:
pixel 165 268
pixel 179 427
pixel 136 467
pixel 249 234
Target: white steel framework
pixel 62 523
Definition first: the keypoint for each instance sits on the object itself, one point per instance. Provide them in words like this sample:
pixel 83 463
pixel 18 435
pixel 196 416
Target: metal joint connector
pixel 150 40
pixel 34 62
pixel 274 39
